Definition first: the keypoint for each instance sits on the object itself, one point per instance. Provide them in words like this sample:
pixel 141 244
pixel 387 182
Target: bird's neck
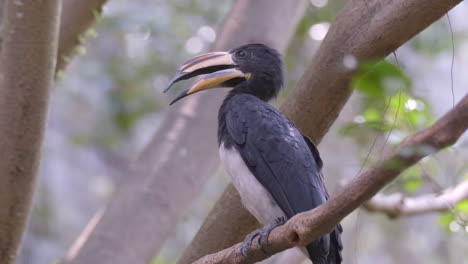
pixel 263 88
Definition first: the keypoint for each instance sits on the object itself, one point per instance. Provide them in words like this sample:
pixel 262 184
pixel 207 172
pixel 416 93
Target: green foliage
pixel 160 260
pixel 445 219
pixel 388 110
pixel 448 220
pixel 387 103
pixel 380 78
pixel 462 207
pixel 412 179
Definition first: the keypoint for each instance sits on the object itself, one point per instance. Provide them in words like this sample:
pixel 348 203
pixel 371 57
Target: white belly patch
pixel 254 196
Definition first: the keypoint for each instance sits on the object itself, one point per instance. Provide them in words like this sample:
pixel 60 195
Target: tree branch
pixel 305 227
pixel 29 49
pixel 77 17
pixel 396 204
pixel 364 29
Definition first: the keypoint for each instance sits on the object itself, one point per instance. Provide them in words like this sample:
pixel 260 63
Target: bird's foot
pixel 263 234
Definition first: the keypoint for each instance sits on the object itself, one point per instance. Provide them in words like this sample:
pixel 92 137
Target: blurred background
pixel 108 103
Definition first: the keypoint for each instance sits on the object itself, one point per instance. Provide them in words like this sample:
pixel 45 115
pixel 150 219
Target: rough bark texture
pixel 364 30
pixel 396 205
pixel 77 17
pixel 30 37
pixel 308 226
pixel 143 212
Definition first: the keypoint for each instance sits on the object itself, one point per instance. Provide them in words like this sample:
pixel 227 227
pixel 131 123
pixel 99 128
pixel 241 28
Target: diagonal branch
pixel 308 226
pixel 396 204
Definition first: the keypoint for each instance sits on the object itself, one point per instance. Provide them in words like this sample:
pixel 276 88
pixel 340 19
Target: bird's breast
pixel 255 197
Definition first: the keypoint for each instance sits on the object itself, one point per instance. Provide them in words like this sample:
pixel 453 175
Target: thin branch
pixel 308 226
pixel 397 204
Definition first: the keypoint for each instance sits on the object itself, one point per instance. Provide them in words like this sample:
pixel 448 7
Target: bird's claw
pixel 263 234
pixel 248 241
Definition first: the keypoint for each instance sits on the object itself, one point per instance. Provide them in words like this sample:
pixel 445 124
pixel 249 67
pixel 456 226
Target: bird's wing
pixel 313 149
pixel 335 244
pixel 282 160
pixel 285 162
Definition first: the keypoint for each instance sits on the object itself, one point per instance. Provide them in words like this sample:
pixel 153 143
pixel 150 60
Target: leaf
pixel 372 114
pixel 412 185
pixel 412 179
pixel 379 78
pixel 445 219
pixel 462 206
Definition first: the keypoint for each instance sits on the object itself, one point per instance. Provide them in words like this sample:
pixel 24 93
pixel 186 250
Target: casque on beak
pixel 220 68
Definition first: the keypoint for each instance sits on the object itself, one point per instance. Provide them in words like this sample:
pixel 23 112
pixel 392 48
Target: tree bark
pixel 77 17
pixel 172 169
pixel 28 56
pixel 305 227
pixel 362 30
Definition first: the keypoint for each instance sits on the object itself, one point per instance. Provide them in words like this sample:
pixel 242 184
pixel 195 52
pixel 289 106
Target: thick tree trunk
pixel 362 30
pixel 173 168
pixel 30 37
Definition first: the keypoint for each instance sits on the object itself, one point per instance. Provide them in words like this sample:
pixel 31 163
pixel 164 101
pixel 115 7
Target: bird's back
pixel 285 163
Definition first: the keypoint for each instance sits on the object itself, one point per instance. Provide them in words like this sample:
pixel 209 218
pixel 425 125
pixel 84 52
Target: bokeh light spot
pixel 194 45
pixel 350 62
pixel 411 104
pixel 319 3
pixel 319 31
pixel 207 33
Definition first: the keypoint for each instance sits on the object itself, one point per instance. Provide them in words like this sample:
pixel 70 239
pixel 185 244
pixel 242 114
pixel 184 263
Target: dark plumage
pixel 285 163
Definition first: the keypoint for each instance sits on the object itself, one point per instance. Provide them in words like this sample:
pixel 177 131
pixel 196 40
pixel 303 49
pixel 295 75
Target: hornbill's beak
pixel 220 69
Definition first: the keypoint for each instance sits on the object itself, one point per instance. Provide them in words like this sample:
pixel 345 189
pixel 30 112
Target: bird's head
pixel 253 68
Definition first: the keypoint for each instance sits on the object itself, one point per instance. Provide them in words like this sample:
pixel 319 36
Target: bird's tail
pixel 336 246
pixel 330 243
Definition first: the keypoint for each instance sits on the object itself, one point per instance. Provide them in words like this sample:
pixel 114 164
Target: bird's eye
pixel 241 54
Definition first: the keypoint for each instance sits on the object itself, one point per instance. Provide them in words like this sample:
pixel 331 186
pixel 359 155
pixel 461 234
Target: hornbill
pixel 274 167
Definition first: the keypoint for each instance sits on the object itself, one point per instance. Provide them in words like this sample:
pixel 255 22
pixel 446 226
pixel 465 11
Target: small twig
pixel 453 58
pixel 436 187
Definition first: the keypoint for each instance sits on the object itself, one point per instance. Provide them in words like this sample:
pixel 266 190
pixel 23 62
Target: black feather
pixel 285 162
